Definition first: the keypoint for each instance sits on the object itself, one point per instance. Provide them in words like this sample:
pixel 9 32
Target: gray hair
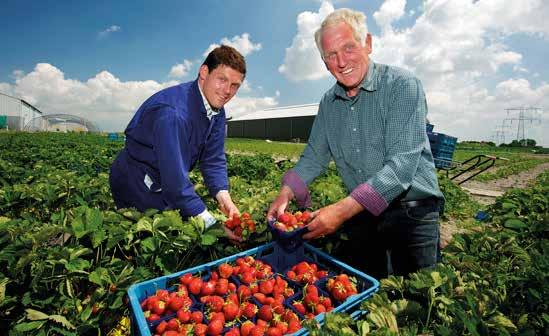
pixel 355 19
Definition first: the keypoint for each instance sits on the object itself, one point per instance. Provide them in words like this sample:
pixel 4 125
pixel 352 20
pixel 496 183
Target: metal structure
pixel 61 123
pixel 524 115
pixel 15 113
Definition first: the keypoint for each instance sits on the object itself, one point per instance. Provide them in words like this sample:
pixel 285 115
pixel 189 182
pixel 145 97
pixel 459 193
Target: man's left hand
pixel 328 219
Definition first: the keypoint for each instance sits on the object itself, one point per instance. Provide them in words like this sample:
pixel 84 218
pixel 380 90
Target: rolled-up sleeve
pixel 172 150
pixel 404 143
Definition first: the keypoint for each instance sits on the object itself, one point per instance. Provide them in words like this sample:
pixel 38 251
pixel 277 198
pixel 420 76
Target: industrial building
pixel 289 123
pixel 15 113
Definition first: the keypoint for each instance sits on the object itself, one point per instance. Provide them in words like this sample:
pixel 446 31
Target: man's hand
pixel 280 203
pixel 226 204
pixel 328 219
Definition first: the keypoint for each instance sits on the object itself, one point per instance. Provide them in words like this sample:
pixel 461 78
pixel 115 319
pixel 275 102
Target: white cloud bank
pixel 103 99
pixel 106 32
pixel 458 49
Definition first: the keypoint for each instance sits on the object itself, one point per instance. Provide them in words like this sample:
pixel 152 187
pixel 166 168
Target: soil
pixel 449 228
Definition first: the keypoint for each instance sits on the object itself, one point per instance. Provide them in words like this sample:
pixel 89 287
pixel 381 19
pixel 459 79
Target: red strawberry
pixel 200 329
pixel 231 311
pixel 319 308
pixel 249 310
pixel 233 332
pixel 197 317
pixel 215 328
pixel 170 333
pixel 299 307
pixel 257 331
pixel 175 303
pixel 246 327
pixel 225 270
pixel 265 313
pixel 173 324
pixel 161 327
pixel 215 303
pixel 208 288
pixel 222 286
pixel 272 331
pixel 159 307
pixel 284 218
pixel 266 287
pixel 293 326
pixel 195 286
pixel 163 294
pixel 151 317
pixel 243 292
pixel 186 279
pixel 183 315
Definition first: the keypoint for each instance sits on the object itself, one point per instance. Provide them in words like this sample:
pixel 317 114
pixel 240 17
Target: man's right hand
pixel 280 204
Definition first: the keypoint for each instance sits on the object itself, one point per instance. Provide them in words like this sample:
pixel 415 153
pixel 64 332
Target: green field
pixel 67 256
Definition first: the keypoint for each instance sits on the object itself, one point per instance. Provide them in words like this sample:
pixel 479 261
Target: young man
pixel 172 131
pixel 372 124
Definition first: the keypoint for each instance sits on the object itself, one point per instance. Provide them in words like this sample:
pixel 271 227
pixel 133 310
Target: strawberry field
pixel 67 257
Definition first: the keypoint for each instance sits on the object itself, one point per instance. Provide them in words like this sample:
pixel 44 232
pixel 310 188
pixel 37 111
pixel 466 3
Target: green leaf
pixel 516 224
pixel 34 315
pixel 148 244
pixel 100 276
pixel 77 265
pixel 508 206
pixel 61 320
pixel 78 227
pixel 3 284
pixel 28 326
pixel 98 237
pixel 144 224
pixel 208 239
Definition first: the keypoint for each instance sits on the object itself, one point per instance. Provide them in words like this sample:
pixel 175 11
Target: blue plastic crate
pixel 367 285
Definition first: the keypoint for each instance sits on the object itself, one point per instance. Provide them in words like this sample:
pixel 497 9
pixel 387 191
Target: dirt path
pixel 519 180
pixel 485 193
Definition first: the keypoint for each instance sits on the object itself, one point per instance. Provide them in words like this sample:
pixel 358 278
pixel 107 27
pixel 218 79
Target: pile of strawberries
pixel 341 287
pixel 288 222
pixel 306 273
pixel 312 303
pixel 242 298
pixel 242 226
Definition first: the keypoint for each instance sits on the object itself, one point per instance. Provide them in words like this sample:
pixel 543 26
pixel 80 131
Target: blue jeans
pixel 400 241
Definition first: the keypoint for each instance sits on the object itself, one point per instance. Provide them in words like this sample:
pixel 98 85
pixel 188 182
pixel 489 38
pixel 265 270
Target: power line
pixel 524 114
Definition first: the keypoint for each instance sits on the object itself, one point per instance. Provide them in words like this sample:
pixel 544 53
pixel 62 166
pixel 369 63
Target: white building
pixel 15 113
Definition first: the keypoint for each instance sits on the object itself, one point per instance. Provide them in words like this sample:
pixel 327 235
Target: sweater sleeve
pixel 171 147
pixel 213 163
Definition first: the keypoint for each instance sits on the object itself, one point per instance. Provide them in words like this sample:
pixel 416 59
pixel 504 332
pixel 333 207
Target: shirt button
pixel 357 150
pixel 354 129
pixel 352 108
pixel 360 170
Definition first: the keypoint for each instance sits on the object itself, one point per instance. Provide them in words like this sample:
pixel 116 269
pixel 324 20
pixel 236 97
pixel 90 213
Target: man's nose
pixel 341 61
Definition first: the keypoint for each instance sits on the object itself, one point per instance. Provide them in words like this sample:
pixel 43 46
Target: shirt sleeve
pixel 404 142
pixel 313 162
pixel 213 163
pixel 171 147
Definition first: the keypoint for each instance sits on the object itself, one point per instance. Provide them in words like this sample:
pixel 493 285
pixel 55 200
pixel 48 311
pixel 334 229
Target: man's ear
pixel 368 43
pixel 203 71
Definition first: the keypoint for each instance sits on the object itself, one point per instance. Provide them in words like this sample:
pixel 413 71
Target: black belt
pixel 431 201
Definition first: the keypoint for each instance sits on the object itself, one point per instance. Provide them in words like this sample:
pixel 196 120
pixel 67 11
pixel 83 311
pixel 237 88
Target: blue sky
pixel 101 59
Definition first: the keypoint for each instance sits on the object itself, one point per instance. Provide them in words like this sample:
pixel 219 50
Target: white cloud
pixel 106 32
pixel 104 98
pixel 391 10
pixel 181 70
pixel 302 60
pixel 242 43
pixel 458 49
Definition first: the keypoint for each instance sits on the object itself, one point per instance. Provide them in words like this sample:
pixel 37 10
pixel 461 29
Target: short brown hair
pixel 225 55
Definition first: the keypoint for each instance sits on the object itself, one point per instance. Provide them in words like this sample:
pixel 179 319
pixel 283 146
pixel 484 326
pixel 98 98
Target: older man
pixel 372 124
pixel 174 130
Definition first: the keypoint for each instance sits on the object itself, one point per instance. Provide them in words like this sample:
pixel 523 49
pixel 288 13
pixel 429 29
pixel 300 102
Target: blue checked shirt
pixel 377 140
